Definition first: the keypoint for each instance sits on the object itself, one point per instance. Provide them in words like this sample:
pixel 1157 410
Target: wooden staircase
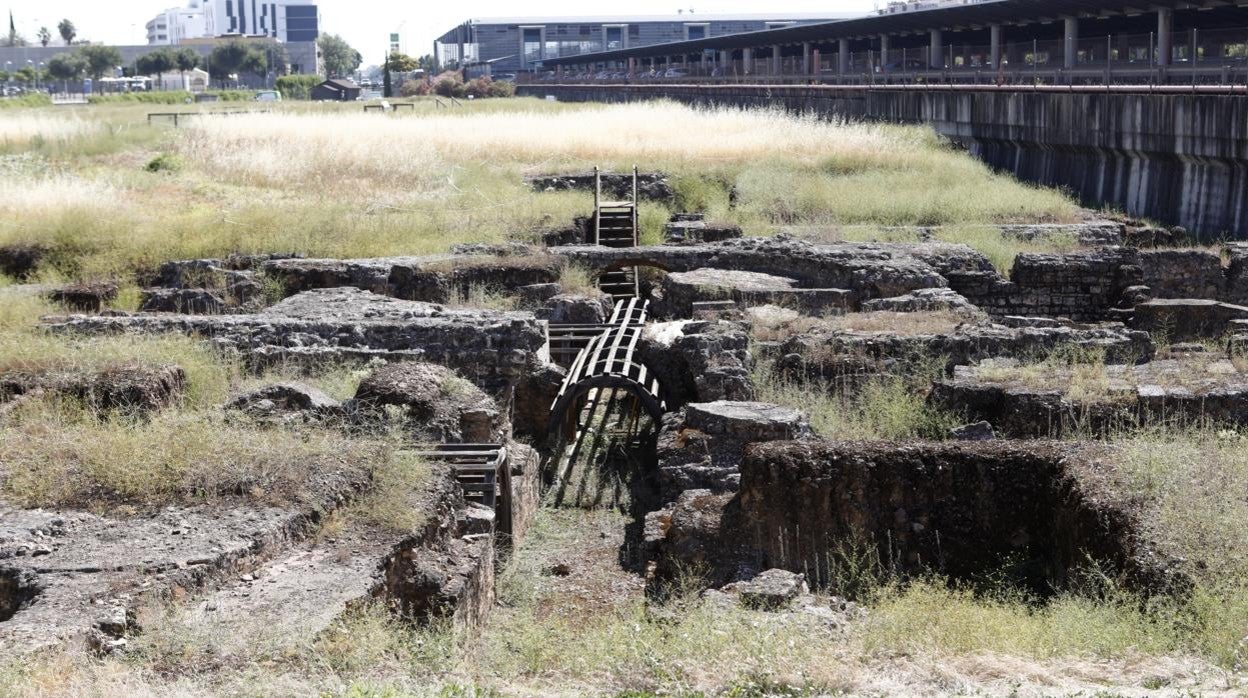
pixel 615 225
pixel 484 474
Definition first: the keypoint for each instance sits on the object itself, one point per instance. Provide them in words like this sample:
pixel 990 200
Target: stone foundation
pixel 492 349
pixel 700 447
pixel 1030 512
pixel 1093 400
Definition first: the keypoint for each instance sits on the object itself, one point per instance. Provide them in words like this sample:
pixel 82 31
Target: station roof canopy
pixel 973 15
pixel 690 18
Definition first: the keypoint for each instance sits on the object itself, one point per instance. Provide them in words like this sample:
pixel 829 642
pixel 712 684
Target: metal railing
pixel 1196 57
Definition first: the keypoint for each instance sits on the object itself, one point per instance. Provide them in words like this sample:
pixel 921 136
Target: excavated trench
pixel 720 484
pixel 17 591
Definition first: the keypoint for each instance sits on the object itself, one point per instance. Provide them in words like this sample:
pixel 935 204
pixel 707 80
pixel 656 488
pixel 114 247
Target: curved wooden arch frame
pixel 559 412
pixel 617 265
pixel 607 362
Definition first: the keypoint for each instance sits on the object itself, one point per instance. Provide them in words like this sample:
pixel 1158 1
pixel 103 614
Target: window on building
pixel 613 37
pixel 693 32
pixel 531 39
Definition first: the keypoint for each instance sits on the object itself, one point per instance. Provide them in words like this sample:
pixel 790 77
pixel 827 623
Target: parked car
pixel 268 96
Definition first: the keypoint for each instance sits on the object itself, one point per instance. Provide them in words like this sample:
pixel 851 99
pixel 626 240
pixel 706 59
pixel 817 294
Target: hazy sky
pixel 366 24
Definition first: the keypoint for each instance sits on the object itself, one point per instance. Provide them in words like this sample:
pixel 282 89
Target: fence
pixel 1218 57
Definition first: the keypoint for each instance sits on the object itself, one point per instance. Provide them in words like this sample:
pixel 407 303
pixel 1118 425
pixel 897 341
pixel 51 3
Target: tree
pixel 66 67
pixel 44 36
pixel 68 31
pixel 186 59
pixel 236 57
pixel 157 63
pixel 13 39
pixel 100 59
pixel 402 63
pixel 340 59
pixel 278 57
pixel 26 76
pixel 387 88
pixel 425 63
pixel 297 86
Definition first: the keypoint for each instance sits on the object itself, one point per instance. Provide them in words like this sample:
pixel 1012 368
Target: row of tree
pixel 230 58
pixel 65 28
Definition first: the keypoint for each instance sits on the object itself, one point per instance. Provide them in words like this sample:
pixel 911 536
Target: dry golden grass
pixel 337 183
pixel 332 148
pixel 59 455
pixel 21 128
pixel 1083 376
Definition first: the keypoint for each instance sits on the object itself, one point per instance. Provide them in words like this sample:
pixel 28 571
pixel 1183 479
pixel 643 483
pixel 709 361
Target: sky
pixel 366 24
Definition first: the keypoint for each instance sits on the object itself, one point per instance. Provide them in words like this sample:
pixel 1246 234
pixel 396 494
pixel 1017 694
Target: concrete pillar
pixel 725 61
pixel 747 61
pixel 777 65
pixel 1165 27
pixel 842 56
pixel 632 67
pixel 884 61
pixel 936 50
pixel 806 66
pixel 994 52
pixel 1071 42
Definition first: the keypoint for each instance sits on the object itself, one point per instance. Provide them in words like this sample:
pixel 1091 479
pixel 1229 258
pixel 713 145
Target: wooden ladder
pixel 615 225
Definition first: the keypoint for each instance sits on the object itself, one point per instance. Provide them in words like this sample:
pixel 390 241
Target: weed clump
pixel 165 162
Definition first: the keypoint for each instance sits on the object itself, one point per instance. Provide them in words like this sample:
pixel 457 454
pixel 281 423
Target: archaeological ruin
pixel 654 373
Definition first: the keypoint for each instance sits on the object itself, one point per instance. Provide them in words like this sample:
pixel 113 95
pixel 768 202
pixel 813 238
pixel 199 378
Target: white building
pixel 284 20
pixel 170 27
pixel 195 80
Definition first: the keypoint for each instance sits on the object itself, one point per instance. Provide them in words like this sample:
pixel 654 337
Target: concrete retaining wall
pixel 1180 158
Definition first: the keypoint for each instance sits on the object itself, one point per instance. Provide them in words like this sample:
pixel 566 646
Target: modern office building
pixel 515 44
pixel 284 20
pixel 288 21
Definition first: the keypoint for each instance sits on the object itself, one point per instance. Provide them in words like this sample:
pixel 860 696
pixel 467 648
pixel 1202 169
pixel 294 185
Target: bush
pixel 450 84
pixel 29 100
pixel 416 88
pixel 485 86
pixel 502 88
pixel 165 162
pixel 297 86
pixel 170 97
